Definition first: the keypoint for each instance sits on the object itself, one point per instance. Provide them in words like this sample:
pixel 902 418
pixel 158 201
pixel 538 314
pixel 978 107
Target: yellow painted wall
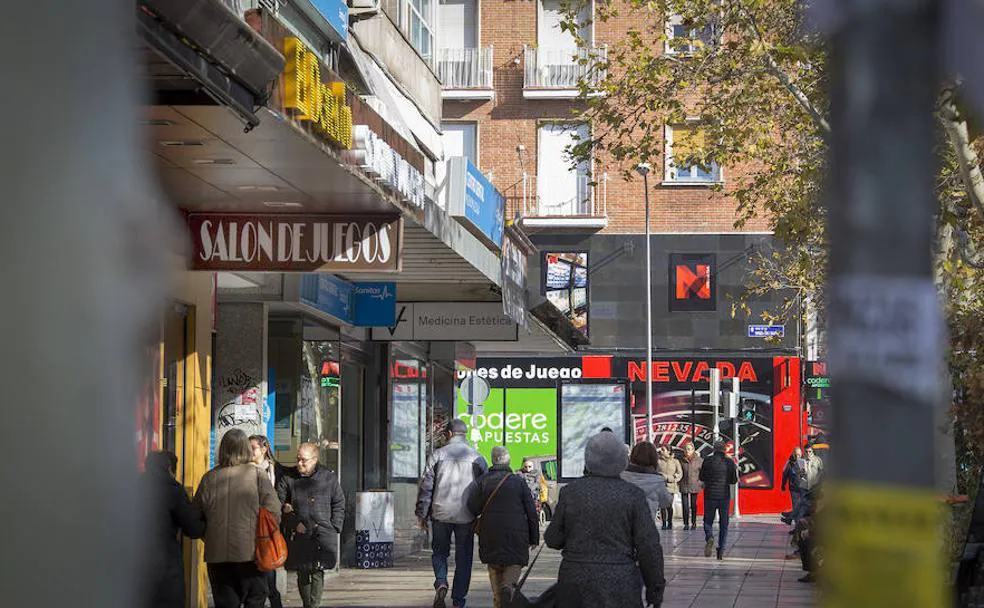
pixel 194 425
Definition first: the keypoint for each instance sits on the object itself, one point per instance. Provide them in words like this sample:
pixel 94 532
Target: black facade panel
pixel 617 292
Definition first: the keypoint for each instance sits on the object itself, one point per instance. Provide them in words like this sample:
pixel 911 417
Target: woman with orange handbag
pixel 231 496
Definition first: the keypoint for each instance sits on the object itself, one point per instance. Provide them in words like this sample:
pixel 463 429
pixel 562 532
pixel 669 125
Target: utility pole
pixel 714 382
pixel 735 414
pixel 643 170
pixel 886 331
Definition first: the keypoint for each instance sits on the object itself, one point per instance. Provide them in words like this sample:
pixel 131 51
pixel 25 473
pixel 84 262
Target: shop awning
pixel 396 107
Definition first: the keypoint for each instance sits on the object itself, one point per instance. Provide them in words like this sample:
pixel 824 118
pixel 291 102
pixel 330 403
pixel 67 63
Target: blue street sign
pixel 329 294
pixel 766 331
pixel 374 304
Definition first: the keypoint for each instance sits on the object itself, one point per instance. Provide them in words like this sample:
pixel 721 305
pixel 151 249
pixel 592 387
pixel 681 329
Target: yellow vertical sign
pixel 311 99
pixel 882 547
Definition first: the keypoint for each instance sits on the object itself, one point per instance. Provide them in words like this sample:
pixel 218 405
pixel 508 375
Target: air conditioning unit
pixel 363 7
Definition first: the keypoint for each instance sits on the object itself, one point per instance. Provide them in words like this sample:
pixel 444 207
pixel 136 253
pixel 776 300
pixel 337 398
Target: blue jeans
pixel 719 505
pixel 464 546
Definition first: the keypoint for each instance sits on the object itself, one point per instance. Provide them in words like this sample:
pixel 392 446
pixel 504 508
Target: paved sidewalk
pixel 754 574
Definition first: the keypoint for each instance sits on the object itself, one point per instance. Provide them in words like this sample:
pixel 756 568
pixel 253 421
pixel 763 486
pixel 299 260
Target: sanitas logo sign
pixel 533 372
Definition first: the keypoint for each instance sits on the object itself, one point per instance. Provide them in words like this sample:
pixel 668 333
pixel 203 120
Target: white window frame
pixel 429 22
pixel 671 22
pixel 673 175
pixel 478 139
pixel 591 16
pixel 572 125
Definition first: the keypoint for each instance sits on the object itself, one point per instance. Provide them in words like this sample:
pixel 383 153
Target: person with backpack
pixel 314 512
pixel 506 522
pixel 718 473
pixel 230 496
pixel 441 497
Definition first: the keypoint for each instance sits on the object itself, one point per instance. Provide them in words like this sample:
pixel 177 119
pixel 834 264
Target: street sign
pixel 766 331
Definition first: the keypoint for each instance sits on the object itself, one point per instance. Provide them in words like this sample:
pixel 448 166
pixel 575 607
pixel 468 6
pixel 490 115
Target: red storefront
pixel 769 397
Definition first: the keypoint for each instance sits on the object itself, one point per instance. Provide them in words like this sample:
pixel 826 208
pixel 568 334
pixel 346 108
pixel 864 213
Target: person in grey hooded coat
pixel 605 530
pixel 642 472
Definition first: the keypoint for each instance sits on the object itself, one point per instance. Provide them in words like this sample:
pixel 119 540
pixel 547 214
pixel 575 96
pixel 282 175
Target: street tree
pixel 751 81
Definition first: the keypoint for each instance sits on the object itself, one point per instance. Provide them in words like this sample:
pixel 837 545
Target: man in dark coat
pixel 718 473
pixel 314 511
pixel 606 531
pixel 508 524
pixel 173 513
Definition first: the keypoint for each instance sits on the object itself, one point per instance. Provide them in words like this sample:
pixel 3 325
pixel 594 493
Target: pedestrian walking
pixel 535 482
pixel 690 485
pixel 172 514
pixel 442 499
pixel 230 496
pixel 507 523
pixel 263 458
pixel 671 469
pixel 642 472
pixel 810 469
pixel 718 473
pixel 314 511
pixel 791 482
pixel 605 530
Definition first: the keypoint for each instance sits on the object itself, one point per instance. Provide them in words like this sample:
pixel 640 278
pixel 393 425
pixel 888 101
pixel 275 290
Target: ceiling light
pixel 213 161
pixel 281 204
pixel 258 188
pixel 181 143
pixel 157 122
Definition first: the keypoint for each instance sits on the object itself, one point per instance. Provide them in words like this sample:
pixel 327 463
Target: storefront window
pixel 408 417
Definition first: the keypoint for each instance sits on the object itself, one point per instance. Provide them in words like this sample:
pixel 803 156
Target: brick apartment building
pixel 510 105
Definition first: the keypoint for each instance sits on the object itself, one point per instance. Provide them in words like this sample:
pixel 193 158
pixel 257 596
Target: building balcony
pixel 566 202
pixel 558 73
pixel 465 73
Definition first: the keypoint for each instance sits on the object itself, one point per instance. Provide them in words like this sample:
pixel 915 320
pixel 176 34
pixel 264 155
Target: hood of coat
pixel 605 456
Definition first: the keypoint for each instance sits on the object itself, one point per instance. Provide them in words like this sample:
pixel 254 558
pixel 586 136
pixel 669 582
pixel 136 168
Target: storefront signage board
pixel 336 13
pixel 312 102
pixel 513 272
pixel 358 304
pixel 474 201
pixel 449 322
pixel 295 243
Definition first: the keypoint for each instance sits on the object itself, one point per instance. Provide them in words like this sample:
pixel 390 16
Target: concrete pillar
pixel 240 370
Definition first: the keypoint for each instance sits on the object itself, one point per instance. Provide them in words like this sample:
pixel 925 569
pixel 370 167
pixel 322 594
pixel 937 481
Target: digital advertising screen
pixel 565 281
pixel 585 409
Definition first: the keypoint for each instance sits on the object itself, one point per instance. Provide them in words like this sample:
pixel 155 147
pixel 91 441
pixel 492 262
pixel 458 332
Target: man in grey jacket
pixel 442 497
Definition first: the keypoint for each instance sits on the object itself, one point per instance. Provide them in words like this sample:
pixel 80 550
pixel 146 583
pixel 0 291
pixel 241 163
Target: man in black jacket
pixel 508 524
pixel 718 473
pixel 314 511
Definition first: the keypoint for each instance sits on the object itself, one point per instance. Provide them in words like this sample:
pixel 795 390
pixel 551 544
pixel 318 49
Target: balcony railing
pixel 462 69
pixel 574 199
pixel 563 68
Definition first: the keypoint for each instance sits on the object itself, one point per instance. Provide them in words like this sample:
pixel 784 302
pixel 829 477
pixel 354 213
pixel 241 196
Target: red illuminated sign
pixel 691 371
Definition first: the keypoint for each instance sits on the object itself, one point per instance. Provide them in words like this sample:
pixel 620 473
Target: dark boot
pixel 720 553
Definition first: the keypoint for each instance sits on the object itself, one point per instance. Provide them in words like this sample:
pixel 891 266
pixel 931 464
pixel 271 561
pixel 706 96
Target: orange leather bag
pixel 271 547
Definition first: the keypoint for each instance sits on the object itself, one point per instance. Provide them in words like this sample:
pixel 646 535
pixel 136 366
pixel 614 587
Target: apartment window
pixel 685 39
pixel 550 35
pixel 417 20
pixel 562 188
pixel 461 139
pixel 459 24
pixel 682 141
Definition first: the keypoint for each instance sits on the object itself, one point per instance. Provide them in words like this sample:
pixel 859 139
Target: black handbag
pixel 512 595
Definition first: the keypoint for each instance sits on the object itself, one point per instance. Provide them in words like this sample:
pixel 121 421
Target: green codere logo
pixel 518 427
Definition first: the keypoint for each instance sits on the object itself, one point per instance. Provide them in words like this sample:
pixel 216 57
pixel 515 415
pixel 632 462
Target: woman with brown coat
pixel 690 485
pixel 230 496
